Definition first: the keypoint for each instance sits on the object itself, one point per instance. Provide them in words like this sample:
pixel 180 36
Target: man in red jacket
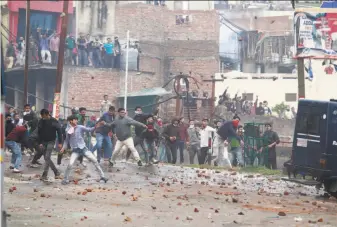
pixel 13 140
pixel 183 135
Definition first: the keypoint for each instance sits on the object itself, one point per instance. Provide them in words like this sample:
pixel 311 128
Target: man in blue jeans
pixel 102 135
pixel 13 140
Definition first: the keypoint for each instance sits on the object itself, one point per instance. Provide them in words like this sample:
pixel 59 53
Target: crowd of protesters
pixel 86 50
pixel 145 136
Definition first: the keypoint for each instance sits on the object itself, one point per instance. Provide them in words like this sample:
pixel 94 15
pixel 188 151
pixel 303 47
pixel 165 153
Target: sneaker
pixel 37 163
pixel 104 179
pixel 154 161
pixel 16 170
pixel 140 163
pixel 33 165
pixel 44 178
pixel 111 163
pixel 58 176
pixel 65 182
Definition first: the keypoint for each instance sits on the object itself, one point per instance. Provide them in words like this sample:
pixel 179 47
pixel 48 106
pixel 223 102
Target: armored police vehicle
pixel 314 153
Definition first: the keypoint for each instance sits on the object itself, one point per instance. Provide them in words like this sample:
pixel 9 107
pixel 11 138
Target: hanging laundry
pixel 329 70
pixel 335 66
pixel 310 73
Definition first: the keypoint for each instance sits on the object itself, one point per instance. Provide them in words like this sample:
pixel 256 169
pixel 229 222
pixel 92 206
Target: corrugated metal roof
pixel 155 91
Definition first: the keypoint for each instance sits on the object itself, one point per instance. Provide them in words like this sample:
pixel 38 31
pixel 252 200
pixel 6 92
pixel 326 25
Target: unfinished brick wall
pixel 87 86
pixel 166 48
pixel 203 25
pixel 144 21
pixel 201 68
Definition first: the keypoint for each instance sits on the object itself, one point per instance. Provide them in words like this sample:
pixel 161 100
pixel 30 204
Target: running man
pixel 122 126
pixel 74 136
pixel 46 132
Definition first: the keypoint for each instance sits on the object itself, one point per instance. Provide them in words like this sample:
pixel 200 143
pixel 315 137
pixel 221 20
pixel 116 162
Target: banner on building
pixel 315 34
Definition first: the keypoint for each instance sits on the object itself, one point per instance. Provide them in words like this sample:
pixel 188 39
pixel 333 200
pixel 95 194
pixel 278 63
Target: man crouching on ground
pixel 74 136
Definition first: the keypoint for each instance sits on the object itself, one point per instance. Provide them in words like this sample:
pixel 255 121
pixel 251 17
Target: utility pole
pixel 126 70
pixel 178 98
pixel 25 83
pixel 213 80
pixel 301 78
pixel 64 15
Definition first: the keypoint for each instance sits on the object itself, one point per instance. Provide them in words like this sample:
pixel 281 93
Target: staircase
pixel 197 114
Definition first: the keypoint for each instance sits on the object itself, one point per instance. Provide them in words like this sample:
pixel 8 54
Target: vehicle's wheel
pixel 327 186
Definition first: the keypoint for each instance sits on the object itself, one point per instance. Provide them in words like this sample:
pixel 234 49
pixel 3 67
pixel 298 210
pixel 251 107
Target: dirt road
pixel 163 196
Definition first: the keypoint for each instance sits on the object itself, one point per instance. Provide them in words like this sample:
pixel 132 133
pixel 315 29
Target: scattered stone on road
pixel 164 196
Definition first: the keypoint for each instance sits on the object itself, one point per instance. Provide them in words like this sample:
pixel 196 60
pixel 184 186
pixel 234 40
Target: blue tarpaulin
pixel 329 5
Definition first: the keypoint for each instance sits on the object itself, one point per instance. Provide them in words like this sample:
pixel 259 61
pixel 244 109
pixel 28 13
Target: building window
pixel 249 96
pixel 183 19
pixel 291 97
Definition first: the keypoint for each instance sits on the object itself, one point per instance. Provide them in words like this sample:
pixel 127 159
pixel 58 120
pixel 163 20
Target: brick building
pixel 43 14
pixel 169 42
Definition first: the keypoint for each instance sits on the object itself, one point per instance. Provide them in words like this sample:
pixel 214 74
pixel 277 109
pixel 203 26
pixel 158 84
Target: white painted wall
pixel 191 5
pixel 323 87
pixel 255 12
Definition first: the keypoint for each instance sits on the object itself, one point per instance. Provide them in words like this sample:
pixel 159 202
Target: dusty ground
pixel 163 196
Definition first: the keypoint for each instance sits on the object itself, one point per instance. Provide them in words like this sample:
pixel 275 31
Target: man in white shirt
pixel 105 105
pixel 206 137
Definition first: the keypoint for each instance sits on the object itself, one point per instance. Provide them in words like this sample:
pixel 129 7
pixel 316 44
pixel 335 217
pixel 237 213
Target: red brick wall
pixel 166 48
pixel 204 25
pixel 86 86
pixel 201 69
pixel 145 22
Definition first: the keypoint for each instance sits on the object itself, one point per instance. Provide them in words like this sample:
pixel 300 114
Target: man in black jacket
pixel 9 126
pixel 140 117
pixel 228 130
pixel 150 136
pixel 47 129
pixel 171 134
pixel 30 117
pixel 33 122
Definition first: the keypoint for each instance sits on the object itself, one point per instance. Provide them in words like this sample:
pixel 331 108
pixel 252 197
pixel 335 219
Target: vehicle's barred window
pixel 308 124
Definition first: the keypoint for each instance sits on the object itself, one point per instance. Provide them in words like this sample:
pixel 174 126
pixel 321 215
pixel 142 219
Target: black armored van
pixel 314 152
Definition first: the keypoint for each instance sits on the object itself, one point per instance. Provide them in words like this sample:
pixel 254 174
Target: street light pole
pixel 64 15
pixel 178 101
pixel 25 83
pixel 126 70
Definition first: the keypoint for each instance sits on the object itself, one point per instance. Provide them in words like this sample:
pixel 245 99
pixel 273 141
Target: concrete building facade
pixel 278 88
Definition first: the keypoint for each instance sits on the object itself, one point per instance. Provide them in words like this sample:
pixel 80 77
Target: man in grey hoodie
pixel 122 125
pixel 193 144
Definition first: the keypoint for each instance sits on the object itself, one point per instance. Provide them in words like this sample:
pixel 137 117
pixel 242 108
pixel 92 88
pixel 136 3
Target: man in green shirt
pixel 236 149
pixel 70 45
pixel 271 139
